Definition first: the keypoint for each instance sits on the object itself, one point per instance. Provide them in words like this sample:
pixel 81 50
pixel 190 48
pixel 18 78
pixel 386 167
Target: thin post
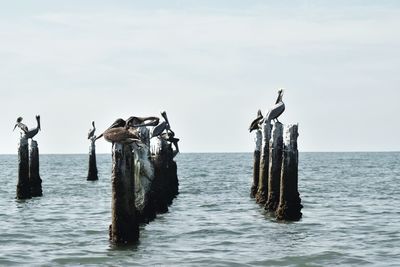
pixel 275 166
pixel 34 177
pixel 256 163
pixel 124 227
pixel 92 172
pixel 290 202
pixel 23 186
pixel 262 192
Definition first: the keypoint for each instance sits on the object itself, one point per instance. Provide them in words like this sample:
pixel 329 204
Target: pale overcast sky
pixel 209 64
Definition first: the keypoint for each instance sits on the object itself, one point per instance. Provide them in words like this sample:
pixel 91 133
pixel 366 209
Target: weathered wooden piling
pixel 92 172
pixel 23 185
pixel 275 166
pixel 124 227
pixel 34 176
pixel 256 163
pixel 289 203
pixel 262 192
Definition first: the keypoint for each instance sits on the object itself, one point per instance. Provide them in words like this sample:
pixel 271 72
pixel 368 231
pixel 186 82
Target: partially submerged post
pixel 34 177
pixel 256 163
pixel 275 166
pixel 124 227
pixel 92 172
pixel 23 186
pixel 290 202
pixel 262 192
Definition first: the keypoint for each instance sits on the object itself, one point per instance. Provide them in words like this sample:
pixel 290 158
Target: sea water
pixel 351 215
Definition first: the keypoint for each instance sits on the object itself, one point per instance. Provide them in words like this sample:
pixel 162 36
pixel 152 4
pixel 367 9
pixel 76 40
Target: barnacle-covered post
pixel 262 192
pixel 290 203
pixel 23 185
pixel 275 166
pixel 34 177
pixel 124 227
pixel 256 163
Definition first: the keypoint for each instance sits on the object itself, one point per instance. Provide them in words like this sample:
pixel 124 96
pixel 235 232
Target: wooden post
pixel 23 186
pixel 256 164
pixel 92 172
pixel 262 192
pixel 34 177
pixel 275 166
pixel 144 177
pixel 124 227
pixel 290 202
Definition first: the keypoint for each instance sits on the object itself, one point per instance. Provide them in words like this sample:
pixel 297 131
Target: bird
pixel 119 133
pixel 117 123
pixel 255 124
pixel 159 129
pixel 20 125
pixel 28 133
pixel 125 132
pixel 91 131
pixel 277 109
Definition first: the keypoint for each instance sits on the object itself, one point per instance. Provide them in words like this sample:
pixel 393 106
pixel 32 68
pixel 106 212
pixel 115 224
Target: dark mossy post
pixel 92 172
pixel 275 166
pixel 290 203
pixel 34 177
pixel 23 186
pixel 262 192
pixel 256 163
pixel 124 227
pixel 160 184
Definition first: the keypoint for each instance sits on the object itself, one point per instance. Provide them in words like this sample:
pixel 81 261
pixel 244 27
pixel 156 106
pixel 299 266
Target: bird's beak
pixel 15 126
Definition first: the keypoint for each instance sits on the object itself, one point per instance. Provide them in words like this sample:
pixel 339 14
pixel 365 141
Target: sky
pixel 210 64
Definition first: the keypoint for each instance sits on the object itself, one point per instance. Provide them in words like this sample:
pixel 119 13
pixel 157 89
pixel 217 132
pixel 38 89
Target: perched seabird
pixel 255 124
pixel 159 129
pixel 117 123
pixel 91 131
pixel 20 125
pixel 28 133
pixel 140 121
pixel 277 109
pixel 126 131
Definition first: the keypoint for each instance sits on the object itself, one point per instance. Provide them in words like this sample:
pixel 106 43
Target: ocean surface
pixel 351 215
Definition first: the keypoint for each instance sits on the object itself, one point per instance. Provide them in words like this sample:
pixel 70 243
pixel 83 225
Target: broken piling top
pixel 290 138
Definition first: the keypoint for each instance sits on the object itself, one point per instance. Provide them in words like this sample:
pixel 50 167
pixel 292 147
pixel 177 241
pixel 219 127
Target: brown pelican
pixel 117 123
pixel 20 125
pixel 159 129
pixel 277 109
pixel 125 133
pixel 91 131
pixel 255 125
pixel 140 121
pixel 28 133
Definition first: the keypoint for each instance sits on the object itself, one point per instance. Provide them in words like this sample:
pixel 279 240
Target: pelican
pixel 91 131
pixel 277 109
pixel 126 133
pixel 20 125
pixel 255 124
pixel 28 133
pixel 117 123
pixel 140 121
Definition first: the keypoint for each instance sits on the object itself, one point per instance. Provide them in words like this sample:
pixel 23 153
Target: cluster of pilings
pixel 29 181
pixel 275 174
pixel 143 183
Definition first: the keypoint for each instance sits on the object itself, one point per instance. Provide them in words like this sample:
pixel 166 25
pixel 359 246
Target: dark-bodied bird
pixel 140 121
pixel 117 123
pixel 255 124
pixel 125 134
pixel 20 125
pixel 91 131
pixel 277 109
pixel 28 133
